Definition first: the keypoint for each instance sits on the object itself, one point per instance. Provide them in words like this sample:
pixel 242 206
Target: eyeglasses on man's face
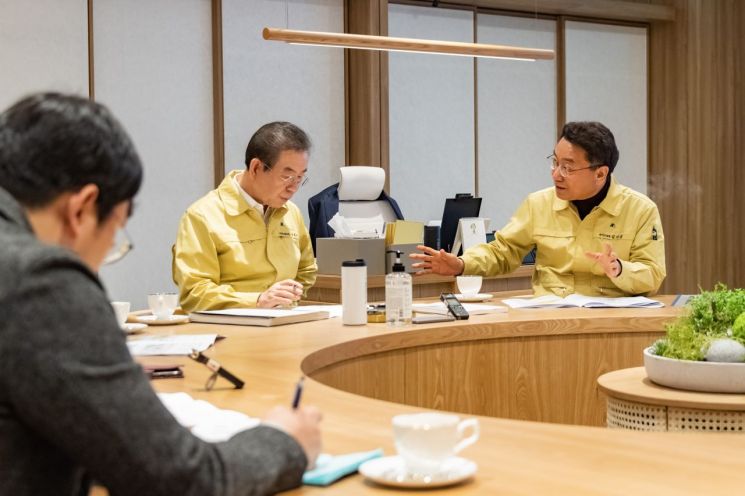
pixel 564 169
pixel 122 246
pixel 299 180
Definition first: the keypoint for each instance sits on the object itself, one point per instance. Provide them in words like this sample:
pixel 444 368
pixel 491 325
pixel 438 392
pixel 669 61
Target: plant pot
pixel 709 377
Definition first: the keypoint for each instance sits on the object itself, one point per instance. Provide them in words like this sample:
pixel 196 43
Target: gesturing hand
pixel 280 294
pixel 607 259
pixel 436 262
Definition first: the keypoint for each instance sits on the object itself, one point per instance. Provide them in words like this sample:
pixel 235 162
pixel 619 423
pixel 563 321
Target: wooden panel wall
pixel 697 141
pixel 539 378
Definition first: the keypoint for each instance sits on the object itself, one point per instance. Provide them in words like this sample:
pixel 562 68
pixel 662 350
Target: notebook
pixel 264 317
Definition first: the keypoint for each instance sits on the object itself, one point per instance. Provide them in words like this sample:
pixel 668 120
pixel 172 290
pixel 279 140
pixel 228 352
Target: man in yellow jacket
pixel 245 244
pixel 592 235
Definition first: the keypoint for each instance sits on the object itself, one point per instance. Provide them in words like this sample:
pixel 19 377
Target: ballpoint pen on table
pixel 216 368
pixel 298 393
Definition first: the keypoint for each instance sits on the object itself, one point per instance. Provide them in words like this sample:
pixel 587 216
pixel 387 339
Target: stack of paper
pixel 170 345
pixel 404 232
pixel 205 420
pixel 577 300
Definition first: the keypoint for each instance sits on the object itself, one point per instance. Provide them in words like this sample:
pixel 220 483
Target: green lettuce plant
pixel 711 315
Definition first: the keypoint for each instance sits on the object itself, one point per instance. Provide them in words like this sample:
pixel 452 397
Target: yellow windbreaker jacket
pixel 626 219
pixel 225 255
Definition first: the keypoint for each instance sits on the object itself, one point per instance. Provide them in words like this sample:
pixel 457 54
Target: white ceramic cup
pixel 469 285
pixel 121 310
pixel 162 305
pixel 426 440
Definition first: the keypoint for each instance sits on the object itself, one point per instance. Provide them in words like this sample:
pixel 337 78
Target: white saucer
pixel 474 297
pixel 133 327
pixel 390 471
pixel 150 319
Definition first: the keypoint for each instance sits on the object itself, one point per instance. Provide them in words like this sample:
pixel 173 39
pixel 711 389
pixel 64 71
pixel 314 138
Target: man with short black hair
pixel 245 243
pixel 74 406
pixel 592 235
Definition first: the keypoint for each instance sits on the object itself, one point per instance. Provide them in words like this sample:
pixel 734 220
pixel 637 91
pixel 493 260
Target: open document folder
pixel 577 300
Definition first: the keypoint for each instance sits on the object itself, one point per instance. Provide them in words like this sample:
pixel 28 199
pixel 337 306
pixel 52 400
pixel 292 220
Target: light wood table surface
pixel 514 456
pixel 327 288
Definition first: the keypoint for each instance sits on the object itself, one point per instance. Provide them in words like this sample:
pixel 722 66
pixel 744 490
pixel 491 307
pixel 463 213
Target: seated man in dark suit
pixel 74 406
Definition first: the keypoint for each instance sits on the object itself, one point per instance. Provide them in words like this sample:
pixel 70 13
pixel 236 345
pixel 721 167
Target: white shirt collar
pixel 249 199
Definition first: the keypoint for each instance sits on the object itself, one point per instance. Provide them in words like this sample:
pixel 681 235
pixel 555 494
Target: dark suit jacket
pixel 324 205
pixel 74 405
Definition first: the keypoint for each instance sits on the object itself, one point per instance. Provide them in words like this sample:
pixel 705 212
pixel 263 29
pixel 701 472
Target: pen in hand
pixel 298 393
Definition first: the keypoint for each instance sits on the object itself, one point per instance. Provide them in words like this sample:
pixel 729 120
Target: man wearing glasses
pixel 245 244
pixel 592 235
pixel 74 406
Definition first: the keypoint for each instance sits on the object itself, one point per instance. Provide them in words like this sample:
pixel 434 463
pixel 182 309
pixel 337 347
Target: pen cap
pixel 354 292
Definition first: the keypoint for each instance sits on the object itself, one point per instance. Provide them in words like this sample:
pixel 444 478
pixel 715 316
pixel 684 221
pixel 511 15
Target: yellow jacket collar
pixel 611 203
pixel 234 203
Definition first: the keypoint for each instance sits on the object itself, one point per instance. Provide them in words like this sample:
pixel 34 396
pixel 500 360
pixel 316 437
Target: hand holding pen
pixel 300 422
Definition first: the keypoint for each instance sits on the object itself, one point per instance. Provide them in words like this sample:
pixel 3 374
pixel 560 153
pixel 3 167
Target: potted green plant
pixel 704 350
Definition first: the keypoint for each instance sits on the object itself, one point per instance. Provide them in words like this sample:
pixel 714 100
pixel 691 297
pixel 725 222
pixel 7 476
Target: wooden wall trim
pixel 598 9
pixel 218 108
pixel 366 88
pixel 91 78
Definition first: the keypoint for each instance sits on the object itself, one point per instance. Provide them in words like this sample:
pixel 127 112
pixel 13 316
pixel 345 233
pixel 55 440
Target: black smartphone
pixel 454 306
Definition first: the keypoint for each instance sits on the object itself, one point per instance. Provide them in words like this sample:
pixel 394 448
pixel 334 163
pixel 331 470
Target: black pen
pixel 298 393
pixel 215 367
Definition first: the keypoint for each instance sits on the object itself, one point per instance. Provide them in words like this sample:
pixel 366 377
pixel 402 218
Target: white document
pixel 577 300
pixel 333 310
pixel 439 308
pixel 204 419
pixel 170 345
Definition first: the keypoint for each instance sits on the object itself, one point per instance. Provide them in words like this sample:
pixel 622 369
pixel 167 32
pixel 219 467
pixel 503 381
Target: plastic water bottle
pixel 354 292
pixel 398 295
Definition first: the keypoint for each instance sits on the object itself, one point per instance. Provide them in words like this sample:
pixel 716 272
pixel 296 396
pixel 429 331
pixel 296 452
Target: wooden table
pixel 514 456
pixel 327 288
pixel 637 403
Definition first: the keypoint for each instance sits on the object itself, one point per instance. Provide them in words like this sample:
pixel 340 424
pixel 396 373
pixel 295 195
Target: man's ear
pixel 601 173
pixel 81 209
pixel 253 167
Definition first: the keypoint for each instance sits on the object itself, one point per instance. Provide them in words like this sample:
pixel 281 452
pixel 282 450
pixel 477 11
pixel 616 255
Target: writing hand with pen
pixel 300 422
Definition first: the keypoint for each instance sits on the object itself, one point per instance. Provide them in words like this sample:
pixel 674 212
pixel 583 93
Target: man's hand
pixel 607 259
pixel 280 294
pixel 437 262
pixel 302 424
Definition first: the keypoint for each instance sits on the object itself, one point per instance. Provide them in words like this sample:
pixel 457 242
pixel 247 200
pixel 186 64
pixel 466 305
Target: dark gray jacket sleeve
pixel 73 382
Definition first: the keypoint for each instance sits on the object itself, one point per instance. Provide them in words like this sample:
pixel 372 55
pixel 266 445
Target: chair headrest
pixel 360 183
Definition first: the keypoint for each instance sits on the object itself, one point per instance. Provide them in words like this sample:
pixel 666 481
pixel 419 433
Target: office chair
pixel 359 193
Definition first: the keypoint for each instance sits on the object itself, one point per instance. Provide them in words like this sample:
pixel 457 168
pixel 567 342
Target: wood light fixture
pixel 368 42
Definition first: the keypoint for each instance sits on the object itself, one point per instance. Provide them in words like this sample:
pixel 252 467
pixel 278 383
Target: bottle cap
pixel 353 263
pixel 397 265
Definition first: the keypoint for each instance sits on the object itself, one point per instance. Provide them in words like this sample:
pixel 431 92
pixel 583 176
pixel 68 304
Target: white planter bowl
pixel 709 377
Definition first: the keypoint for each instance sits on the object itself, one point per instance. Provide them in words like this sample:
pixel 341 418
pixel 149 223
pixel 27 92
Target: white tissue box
pixel 331 252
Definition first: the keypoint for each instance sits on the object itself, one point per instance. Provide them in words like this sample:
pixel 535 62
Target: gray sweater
pixel 74 406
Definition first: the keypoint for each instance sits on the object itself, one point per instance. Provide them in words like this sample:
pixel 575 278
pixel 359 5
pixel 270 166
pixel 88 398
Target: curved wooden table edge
pixel 650 393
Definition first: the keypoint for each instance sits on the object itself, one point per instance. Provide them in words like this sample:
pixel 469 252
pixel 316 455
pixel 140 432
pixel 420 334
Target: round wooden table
pixel 637 403
pixel 526 374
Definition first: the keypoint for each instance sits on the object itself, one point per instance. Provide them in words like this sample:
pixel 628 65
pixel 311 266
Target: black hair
pixel 272 139
pixel 596 139
pixel 52 144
